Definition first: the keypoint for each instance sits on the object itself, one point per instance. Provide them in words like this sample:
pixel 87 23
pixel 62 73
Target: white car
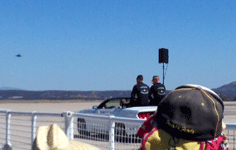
pixel 114 107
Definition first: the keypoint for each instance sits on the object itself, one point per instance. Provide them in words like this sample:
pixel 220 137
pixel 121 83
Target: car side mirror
pixel 95 107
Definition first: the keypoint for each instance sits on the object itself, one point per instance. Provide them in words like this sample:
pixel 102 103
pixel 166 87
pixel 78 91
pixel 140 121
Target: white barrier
pixel 105 132
pixel 118 134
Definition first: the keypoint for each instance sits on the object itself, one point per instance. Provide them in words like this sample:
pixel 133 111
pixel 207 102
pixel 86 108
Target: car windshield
pixel 113 103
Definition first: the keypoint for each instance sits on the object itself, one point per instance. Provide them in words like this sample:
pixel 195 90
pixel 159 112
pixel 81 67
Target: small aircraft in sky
pixel 19 55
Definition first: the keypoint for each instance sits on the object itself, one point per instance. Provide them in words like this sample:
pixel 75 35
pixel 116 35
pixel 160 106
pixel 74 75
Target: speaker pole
pixel 163 58
pixel 163 73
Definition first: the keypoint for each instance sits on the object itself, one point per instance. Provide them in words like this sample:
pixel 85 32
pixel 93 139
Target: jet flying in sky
pixel 19 55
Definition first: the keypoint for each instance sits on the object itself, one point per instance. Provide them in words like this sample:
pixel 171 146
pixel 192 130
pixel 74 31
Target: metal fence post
pixel 7 145
pixel 33 127
pixel 69 125
pixel 112 133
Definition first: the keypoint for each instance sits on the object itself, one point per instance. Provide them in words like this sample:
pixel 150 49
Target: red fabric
pixel 147 126
pixel 202 144
pixel 146 136
pixel 219 143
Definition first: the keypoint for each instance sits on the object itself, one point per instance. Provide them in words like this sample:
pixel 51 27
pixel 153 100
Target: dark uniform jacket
pixel 156 94
pixel 142 92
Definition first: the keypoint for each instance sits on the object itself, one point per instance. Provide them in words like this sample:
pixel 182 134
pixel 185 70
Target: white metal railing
pixel 105 132
pixel 115 137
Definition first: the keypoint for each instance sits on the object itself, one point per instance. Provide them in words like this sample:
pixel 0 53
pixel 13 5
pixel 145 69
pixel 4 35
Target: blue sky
pixel 105 44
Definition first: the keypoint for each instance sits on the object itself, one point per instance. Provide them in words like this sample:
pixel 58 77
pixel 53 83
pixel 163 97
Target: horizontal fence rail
pixel 18 129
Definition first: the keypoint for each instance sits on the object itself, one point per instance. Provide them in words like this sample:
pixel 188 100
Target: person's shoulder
pixel 152 86
pixel 160 84
pixel 135 86
pixel 155 85
pixel 145 84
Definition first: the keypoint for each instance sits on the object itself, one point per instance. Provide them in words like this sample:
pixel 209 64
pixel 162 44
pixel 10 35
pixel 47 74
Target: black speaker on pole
pixel 163 55
pixel 163 58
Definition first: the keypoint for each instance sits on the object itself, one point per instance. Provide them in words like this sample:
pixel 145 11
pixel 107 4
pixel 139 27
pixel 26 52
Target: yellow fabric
pixel 56 138
pixel 160 140
pixel 223 125
pixel 53 138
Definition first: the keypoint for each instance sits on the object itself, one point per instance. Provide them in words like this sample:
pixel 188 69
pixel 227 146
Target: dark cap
pixel 140 77
pixel 191 112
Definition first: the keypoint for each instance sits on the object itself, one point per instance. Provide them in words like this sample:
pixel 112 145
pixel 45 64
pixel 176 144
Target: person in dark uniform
pixel 156 92
pixel 140 90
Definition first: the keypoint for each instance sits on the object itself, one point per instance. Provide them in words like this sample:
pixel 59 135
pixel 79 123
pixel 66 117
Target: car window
pixel 113 103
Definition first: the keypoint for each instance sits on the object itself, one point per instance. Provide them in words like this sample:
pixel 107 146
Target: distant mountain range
pixel 8 88
pixel 55 94
pixel 227 92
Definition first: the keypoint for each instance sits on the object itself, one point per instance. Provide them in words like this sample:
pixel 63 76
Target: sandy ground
pixel 56 107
